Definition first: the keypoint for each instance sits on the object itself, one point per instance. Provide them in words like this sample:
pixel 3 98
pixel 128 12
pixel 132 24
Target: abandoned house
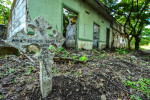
pixel 84 23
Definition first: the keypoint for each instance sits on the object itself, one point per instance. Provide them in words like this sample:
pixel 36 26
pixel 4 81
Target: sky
pixel 147 26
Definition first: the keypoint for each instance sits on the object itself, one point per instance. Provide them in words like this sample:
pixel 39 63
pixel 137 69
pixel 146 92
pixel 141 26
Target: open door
pixel 70 18
pixel 107 37
pixel 96 36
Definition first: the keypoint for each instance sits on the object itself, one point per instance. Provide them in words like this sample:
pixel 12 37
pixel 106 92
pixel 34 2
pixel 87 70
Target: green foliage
pixel 55 70
pixel 51 47
pixel 15 81
pixel 4 11
pixel 69 72
pixel 31 68
pixel 74 57
pixel 121 51
pixel 1 96
pixel 83 58
pixel 141 85
pixel 11 70
pixel 132 14
pixel 135 97
pixel 103 55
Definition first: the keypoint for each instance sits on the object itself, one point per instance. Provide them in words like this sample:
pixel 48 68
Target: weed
pixel 141 85
pixel 135 97
pixel 21 67
pixel 11 70
pixel 90 73
pixel 74 57
pixel 103 55
pixel 65 53
pixel 121 51
pixel 75 74
pixel 1 96
pixel 52 48
pixel 69 72
pixel 30 70
pixel 1 74
pixel 83 58
pixel 15 81
pixel 55 70
pixel 129 77
pixel 80 72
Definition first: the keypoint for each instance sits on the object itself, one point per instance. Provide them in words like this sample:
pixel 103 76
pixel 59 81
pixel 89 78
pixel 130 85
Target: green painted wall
pixel 51 10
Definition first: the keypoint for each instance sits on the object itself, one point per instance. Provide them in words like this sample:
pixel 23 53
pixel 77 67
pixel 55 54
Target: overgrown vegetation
pixel 142 86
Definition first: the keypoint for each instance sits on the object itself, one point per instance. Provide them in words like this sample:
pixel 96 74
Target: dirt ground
pixel 100 78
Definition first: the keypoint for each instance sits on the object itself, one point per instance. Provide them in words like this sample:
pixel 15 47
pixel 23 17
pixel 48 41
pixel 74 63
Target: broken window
pixel 96 36
pixel 70 26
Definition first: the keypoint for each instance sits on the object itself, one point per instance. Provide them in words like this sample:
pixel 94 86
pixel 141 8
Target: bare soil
pixel 100 78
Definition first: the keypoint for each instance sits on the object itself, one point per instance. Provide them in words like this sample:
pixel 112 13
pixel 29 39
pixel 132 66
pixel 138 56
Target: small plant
pixel 135 97
pixel 80 72
pixel 69 72
pixel 11 70
pixel 121 51
pixel 30 70
pixel 74 57
pixel 90 73
pixel 75 74
pixel 65 53
pixel 83 58
pixel 55 70
pixel 1 96
pixel 103 55
pixel 1 74
pixel 15 81
pixel 52 48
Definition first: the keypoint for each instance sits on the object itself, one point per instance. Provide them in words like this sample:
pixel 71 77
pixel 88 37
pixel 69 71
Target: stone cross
pixel 42 40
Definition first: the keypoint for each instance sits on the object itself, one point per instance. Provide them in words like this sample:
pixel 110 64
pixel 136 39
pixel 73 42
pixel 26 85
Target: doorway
pixel 70 18
pixel 107 37
pixel 96 36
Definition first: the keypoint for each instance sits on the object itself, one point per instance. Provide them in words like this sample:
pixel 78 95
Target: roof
pixel 100 8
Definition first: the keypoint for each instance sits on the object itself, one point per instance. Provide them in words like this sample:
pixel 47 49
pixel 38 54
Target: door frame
pixel 98 34
pixel 107 37
pixel 70 8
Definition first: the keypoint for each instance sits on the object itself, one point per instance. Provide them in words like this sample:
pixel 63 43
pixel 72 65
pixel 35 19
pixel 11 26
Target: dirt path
pixel 146 51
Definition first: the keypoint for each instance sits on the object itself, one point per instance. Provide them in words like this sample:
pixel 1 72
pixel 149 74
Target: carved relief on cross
pixel 42 40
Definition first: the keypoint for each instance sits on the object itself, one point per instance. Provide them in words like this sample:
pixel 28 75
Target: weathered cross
pixel 21 40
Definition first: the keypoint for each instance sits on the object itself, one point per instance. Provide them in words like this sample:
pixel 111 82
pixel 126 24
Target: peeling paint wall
pixel 85 44
pixel 18 18
pixel 118 39
pixel 51 10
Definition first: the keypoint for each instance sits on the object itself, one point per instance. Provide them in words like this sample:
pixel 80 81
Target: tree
pixel 4 11
pixel 133 14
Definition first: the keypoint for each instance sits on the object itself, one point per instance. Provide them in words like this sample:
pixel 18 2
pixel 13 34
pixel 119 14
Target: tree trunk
pixel 137 42
pixel 129 46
